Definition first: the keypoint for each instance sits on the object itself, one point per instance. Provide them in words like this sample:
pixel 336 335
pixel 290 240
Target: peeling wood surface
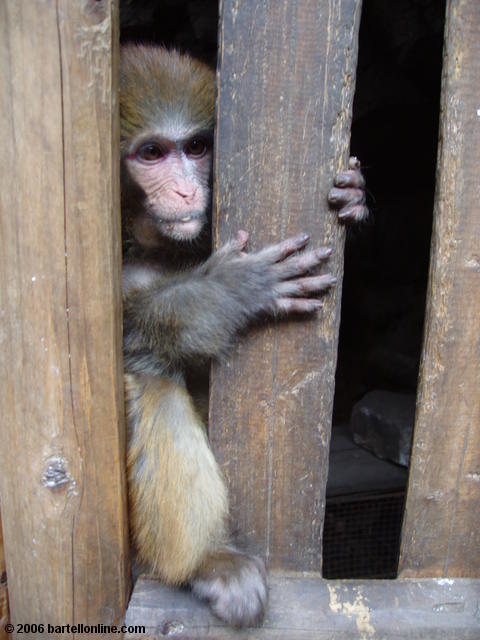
pixel 286 85
pixel 61 433
pixel 441 535
pixel 308 608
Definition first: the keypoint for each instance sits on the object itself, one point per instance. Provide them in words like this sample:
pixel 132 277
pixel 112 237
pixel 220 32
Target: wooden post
pixel 62 433
pixel 286 81
pixel 441 534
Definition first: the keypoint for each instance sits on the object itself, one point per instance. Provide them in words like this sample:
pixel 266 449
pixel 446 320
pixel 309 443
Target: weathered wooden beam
pixel 61 433
pixel 302 608
pixel 441 534
pixel 286 81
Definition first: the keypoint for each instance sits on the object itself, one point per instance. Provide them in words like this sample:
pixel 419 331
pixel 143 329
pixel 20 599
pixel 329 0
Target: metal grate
pixel 361 536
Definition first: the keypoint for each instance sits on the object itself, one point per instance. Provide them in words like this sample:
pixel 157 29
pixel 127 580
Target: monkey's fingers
pixel 297 305
pixel 349 202
pixel 301 263
pixel 278 252
pixel 302 286
pixel 339 197
pixel 352 178
pixel 348 194
pixel 353 214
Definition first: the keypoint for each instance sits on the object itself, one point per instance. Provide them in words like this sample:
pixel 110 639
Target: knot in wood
pixel 56 474
pixel 172 628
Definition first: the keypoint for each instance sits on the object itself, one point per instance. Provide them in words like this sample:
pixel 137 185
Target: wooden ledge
pixel 310 608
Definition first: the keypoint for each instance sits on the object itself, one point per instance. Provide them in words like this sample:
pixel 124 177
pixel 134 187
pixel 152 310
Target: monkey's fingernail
pixel 324 252
pixel 354 163
pixel 241 236
pixel 303 237
pixel 331 280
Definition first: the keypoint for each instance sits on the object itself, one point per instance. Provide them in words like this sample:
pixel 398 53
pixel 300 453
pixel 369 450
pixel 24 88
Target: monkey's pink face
pixel 175 176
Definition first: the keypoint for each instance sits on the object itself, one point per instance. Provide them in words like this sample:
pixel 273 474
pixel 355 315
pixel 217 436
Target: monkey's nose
pixel 186 195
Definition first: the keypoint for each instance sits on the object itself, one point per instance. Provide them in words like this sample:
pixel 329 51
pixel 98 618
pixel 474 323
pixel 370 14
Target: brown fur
pixel 159 85
pixel 178 502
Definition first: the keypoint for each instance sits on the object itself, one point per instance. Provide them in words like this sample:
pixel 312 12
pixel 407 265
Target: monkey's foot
pixel 234 585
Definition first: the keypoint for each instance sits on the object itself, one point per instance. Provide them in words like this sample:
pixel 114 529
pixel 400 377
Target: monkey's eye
pixel 150 152
pixel 196 147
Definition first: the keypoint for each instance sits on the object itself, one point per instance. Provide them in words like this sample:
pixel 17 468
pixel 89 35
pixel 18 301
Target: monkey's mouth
pixel 181 219
pixel 182 226
pixel 186 218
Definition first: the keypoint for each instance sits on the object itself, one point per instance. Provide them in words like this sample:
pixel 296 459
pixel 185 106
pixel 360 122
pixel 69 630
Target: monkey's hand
pixel 197 314
pixel 348 193
pixel 276 279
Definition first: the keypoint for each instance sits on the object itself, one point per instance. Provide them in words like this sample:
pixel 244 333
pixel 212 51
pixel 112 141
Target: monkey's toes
pixel 340 196
pixel 237 597
pixel 353 179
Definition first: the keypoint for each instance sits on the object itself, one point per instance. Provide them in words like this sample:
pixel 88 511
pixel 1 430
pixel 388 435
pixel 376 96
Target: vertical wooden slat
pixel 441 533
pixel 61 441
pixel 285 93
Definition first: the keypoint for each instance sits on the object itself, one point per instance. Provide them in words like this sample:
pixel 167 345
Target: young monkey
pixel 182 307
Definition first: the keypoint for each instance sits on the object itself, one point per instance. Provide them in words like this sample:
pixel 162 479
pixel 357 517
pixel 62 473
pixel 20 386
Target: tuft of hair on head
pixel 159 86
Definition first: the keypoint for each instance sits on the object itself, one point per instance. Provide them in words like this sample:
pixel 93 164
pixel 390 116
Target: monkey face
pixel 174 176
pixel 167 105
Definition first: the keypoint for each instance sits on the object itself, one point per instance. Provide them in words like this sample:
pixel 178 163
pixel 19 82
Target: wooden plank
pixel 285 93
pixel 441 535
pixel 4 616
pixel 62 433
pixel 307 608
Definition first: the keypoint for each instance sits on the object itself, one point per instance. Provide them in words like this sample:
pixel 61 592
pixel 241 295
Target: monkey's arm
pixel 197 314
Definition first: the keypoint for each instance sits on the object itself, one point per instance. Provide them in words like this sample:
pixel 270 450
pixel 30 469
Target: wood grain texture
pixel 62 433
pixel 303 608
pixel 441 534
pixel 286 81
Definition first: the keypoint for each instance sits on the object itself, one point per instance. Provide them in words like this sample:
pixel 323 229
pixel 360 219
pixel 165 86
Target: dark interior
pixel 394 133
